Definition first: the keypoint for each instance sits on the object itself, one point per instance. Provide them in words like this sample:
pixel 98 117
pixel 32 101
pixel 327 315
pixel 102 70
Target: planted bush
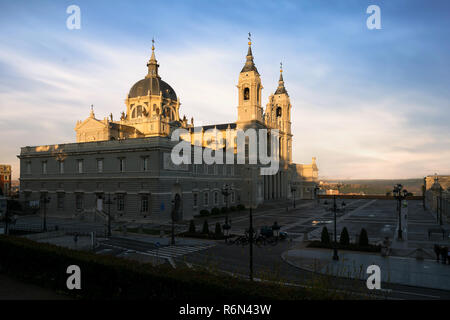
pixel 215 210
pixel 205 229
pixel 109 277
pixel 204 212
pixel 218 230
pixel 363 240
pixel 233 208
pixel 325 236
pixel 224 210
pixel 191 226
pixel 345 238
pixel 240 207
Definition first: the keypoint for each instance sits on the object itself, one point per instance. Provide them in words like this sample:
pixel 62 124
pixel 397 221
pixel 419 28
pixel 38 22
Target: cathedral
pixel 130 157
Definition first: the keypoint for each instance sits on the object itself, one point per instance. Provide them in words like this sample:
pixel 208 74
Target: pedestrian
pixel 75 238
pixel 444 254
pixel 437 251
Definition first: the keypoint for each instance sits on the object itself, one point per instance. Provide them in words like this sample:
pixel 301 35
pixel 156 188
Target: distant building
pixel 437 195
pixel 5 179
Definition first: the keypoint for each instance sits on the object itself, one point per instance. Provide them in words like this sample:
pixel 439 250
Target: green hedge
pixel 108 277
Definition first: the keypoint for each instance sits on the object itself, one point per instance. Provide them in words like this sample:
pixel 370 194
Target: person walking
pixel 437 251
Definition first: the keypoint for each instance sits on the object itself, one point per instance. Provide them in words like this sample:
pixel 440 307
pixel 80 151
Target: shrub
pixel 191 226
pixel 224 210
pixel 204 212
pixel 363 238
pixel 218 230
pixel 233 208
pixel 215 210
pixel 205 227
pixel 113 278
pixel 325 236
pixel 344 239
pixel 240 207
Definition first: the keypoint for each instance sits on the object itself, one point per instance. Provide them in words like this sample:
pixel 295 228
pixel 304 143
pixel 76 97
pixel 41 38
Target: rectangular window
pixel 232 171
pixel 44 167
pixel 144 204
pixel 60 201
pixel 61 166
pixel 195 199
pixel 145 164
pixel 80 165
pixel 79 202
pixel 120 202
pixel 232 196
pixel 205 198
pixel 224 170
pixel 99 165
pixel 216 198
pixel 28 167
pixel 121 164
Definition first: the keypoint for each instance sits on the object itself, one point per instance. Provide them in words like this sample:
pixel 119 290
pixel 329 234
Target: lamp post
pixel 109 203
pixel 226 191
pixel 400 194
pixel 293 189
pixel 335 252
pixel 175 207
pixel 316 193
pixel 250 230
pixel 440 205
pixel 45 200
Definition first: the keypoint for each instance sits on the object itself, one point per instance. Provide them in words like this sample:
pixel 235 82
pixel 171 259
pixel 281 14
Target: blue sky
pixel 366 103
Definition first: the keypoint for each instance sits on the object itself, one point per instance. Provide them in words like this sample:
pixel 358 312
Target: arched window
pixel 279 112
pixel 246 94
pixel 139 111
pixel 133 114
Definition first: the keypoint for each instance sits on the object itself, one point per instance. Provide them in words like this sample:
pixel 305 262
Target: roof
pixel 152 86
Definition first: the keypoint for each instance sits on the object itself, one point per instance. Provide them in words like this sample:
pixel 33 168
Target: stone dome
pixel 152 86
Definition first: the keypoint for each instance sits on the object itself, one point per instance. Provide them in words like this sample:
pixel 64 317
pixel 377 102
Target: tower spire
pixel 249 64
pixel 281 89
pixel 152 63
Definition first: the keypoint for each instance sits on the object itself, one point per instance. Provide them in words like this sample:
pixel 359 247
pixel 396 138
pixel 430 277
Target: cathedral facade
pixel 124 167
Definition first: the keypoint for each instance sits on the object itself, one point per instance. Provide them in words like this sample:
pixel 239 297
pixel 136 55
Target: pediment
pixel 91 123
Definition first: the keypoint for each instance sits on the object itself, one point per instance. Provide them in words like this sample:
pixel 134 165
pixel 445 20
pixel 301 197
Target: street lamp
pixel 316 195
pixel 400 194
pixel 45 200
pixel 250 229
pixel 226 191
pixel 335 252
pixel 109 203
pixel 175 207
pixel 293 189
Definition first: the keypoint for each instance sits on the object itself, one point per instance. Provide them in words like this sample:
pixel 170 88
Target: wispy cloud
pixel 367 105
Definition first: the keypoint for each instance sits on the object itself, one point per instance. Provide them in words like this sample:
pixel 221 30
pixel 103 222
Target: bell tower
pixel 278 116
pixel 249 91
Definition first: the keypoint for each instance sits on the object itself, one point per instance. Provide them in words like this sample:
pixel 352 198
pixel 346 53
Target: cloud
pixel 367 105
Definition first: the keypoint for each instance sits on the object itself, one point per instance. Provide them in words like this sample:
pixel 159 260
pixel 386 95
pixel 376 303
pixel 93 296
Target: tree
pixel 344 239
pixel 325 237
pixel 191 226
pixel 218 230
pixel 363 238
pixel 205 227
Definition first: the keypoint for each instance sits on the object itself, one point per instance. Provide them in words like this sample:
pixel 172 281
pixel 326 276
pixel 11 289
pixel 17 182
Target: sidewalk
pixel 400 270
